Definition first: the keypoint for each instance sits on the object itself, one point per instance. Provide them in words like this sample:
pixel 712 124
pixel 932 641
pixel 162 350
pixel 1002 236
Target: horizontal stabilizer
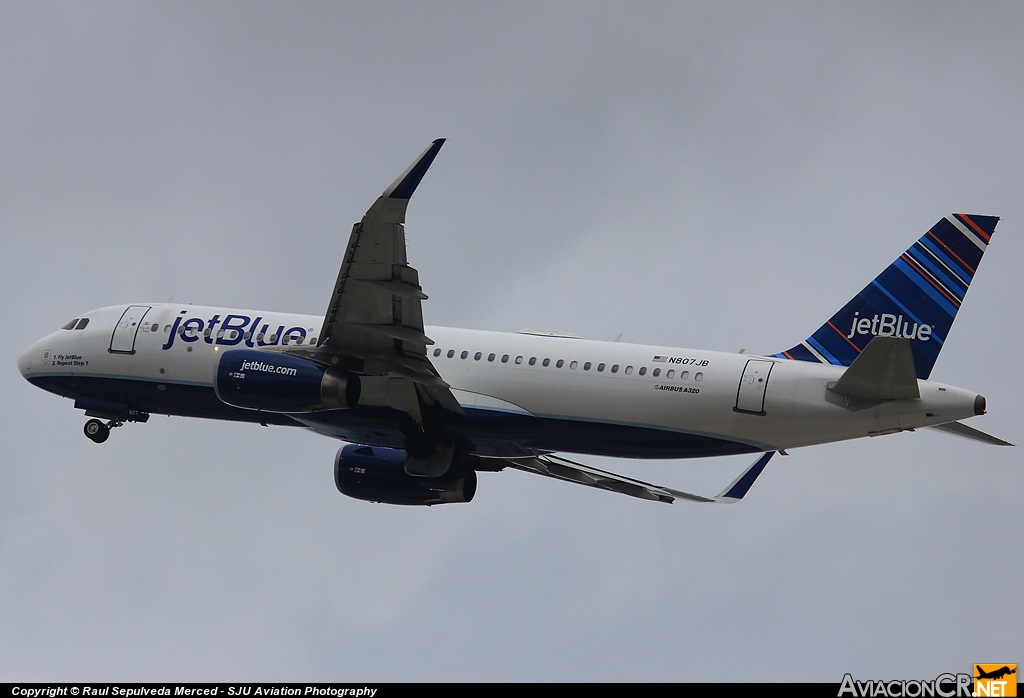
pixel 883 371
pixel 958 429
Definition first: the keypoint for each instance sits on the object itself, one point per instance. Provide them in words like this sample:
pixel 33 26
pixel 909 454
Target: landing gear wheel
pixel 96 430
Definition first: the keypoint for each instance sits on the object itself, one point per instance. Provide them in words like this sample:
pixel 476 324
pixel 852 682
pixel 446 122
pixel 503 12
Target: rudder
pixel 916 297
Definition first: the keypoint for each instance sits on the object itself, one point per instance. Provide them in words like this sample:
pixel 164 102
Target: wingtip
pixel 741 485
pixel 406 184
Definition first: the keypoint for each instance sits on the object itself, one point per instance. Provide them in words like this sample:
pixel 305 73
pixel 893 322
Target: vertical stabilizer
pixel 915 298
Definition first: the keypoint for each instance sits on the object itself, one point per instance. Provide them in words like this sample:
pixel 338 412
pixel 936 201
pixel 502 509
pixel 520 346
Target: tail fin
pixel 916 297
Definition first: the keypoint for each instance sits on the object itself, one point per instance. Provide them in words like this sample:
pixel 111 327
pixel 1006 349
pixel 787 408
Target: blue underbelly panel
pixel 483 431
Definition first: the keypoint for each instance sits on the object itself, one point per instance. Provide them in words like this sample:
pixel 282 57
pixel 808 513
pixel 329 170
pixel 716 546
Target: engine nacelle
pixel 378 475
pixel 272 382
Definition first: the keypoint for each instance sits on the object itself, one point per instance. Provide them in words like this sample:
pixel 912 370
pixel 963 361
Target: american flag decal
pixel 660 359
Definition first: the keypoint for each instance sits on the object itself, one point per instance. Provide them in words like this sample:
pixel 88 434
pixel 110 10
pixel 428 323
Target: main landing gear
pixel 97 431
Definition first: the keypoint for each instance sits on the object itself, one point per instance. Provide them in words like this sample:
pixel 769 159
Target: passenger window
pixel 519 359
pixel 504 359
pixel 629 369
pixel 573 365
pixel 464 354
pixel 273 338
pixel 82 323
pixel 248 336
pixel 490 357
pixel 476 356
pixel 684 375
pixel 207 331
pixel 547 362
pixel 451 353
pixel 312 340
pixel 643 370
pixel 437 352
pixel 670 373
pixel 657 372
pixel 70 325
pixel 698 376
pixel 533 360
pixel 559 363
pixel 615 368
pixel 600 368
pixel 586 366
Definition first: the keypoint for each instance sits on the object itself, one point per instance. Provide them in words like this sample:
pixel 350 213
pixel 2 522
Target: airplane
pixel 423 409
pixel 995 674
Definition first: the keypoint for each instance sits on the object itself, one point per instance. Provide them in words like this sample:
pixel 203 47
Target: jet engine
pixel 272 382
pixel 378 475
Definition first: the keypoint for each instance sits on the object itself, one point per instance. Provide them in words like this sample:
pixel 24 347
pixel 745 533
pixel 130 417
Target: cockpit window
pixel 70 325
pixel 82 323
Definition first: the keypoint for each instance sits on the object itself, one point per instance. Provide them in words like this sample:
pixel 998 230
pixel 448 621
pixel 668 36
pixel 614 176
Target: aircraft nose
pixel 28 361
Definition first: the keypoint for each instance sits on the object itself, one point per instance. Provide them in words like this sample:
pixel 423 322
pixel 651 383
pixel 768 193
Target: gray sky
pixel 711 175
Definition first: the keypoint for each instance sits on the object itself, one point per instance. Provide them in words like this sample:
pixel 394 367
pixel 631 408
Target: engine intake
pixel 272 382
pixel 378 475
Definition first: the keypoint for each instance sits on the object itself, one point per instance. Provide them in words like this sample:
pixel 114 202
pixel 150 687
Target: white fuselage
pixel 568 379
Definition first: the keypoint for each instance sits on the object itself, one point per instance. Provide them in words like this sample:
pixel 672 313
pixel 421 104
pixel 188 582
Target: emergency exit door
pixel 753 384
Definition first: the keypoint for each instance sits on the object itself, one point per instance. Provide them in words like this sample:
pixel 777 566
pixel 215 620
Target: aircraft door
pixel 751 391
pixel 123 339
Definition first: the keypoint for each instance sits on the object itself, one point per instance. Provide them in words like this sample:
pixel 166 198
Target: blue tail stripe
pixel 964 275
pixel 923 284
pixel 904 308
pixel 825 352
pixel 916 297
pixel 951 236
pixel 799 353
pixel 923 305
pixel 952 284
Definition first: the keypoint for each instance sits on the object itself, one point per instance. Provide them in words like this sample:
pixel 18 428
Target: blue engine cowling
pixel 378 475
pixel 273 382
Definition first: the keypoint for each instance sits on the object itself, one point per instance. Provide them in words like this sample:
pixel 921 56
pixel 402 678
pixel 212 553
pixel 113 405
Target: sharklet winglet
pixel 739 487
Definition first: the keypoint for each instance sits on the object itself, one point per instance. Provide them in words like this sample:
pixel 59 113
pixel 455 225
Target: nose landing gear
pixel 116 415
pixel 97 431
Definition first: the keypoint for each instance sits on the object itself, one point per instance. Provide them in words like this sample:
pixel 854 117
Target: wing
pixel 564 469
pixel 374 321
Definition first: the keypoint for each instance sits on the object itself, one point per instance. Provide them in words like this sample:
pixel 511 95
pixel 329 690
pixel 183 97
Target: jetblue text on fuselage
pixel 886 325
pixel 234 330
